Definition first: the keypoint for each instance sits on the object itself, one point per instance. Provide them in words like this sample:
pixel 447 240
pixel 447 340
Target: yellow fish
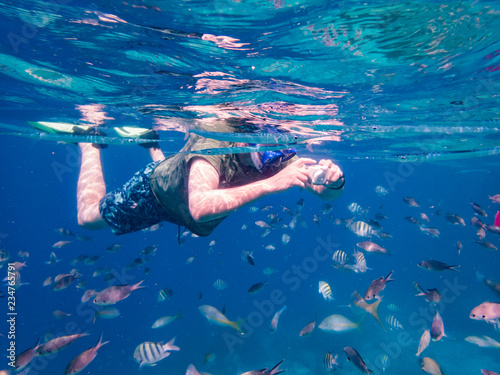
pixel 216 317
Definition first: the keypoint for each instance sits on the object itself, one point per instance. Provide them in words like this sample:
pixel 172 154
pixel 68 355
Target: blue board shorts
pixel 133 207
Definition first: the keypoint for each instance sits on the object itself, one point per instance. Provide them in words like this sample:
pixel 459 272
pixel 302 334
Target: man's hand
pixel 293 175
pixel 333 172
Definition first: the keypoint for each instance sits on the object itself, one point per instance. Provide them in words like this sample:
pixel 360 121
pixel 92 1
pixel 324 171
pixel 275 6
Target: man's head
pixel 269 160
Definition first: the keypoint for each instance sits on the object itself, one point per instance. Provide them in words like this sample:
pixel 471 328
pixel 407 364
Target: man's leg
pixel 156 153
pixel 91 188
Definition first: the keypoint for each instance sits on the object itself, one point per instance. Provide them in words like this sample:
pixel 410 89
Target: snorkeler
pixel 196 191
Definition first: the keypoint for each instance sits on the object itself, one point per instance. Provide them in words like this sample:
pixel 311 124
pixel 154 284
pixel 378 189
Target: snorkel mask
pixel 269 160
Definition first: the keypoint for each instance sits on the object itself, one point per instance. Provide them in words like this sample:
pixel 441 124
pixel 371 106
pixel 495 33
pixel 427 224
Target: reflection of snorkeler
pixel 191 190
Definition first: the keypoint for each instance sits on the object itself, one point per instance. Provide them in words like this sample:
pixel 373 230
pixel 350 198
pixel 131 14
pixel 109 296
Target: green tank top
pixel 169 180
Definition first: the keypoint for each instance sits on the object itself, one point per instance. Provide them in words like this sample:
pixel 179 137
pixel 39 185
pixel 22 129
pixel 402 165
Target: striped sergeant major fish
pixel 339 257
pixel 384 361
pixel 164 294
pixel 360 265
pixel 393 322
pixel 148 353
pixel 355 208
pixel 325 290
pixel 330 362
pixel 362 229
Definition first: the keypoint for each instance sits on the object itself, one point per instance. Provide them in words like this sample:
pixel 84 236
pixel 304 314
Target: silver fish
pixel 165 320
pixel 356 360
pixel 433 232
pixel 62 281
pixel 434 265
pixel 116 293
pixel 493 285
pixel 483 342
pixel 274 321
pixel 454 219
pixel 478 210
pixel 430 366
pixel 486 244
pixel 495 198
pixel 338 323
pixel 410 201
pixel 425 340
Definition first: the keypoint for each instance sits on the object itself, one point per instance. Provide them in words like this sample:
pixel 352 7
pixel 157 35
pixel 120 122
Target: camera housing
pixel 317 173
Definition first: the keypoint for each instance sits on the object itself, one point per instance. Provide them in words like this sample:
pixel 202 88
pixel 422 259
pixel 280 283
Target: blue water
pixel 418 79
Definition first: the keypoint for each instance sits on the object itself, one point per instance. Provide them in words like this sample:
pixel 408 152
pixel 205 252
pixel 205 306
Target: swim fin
pixel 131 131
pixel 59 127
pixel 70 129
pixel 143 133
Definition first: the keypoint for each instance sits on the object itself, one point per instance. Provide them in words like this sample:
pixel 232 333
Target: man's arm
pixel 208 202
